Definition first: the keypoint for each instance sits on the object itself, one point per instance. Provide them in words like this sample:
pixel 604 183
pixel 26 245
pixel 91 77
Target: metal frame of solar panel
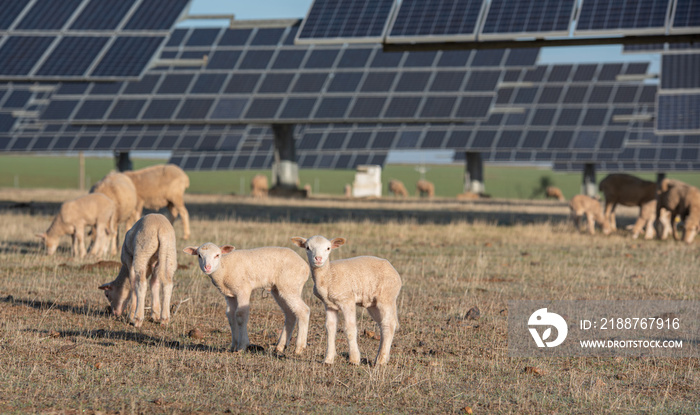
pixel 255 75
pixel 83 39
pixel 345 21
pixel 511 19
pixel 435 21
pixel 625 17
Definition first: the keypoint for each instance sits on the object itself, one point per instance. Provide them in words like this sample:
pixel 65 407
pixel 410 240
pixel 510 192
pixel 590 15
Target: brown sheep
pixel 119 188
pixel 397 188
pixel 682 200
pixel 160 186
pixel 554 193
pixel 582 204
pixel 95 210
pixel 626 190
pixel 425 188
pixel 259 186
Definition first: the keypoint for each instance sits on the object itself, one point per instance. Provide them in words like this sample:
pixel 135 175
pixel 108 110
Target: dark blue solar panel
pixel 208 83
pixel 267 37
pixel 585 73
pixel 10 11
pixel 612 140
pixel 474 107
pixel 144 86
pixel 569 116
pixel 276 83
pixel 345 82
pixel 128 56
pixel 447 81
pixel 402 107
pixel 59 110
pixel 289 59
pixel 386 59
pixel 310 82
pixel 126 109
pixel 72 56
pixel 616 16
pixel 600 94
pixel 235 37
pixel 6 123
pixel 298 108
pixel 354 58
pixel 334 141
pixel 625 94
pixel 102 15
pixel 346 19
pixel 263 108
pixel 242 83
pixel 367 107
pixel 488 57
pixel 160 109
pixel 44 15
pixel 202 37
pixel 156 14
pixel 483 80
pixel 522 57
pixel 175 84
pixel 610 71
pixel 680 71
pixel 256 59
pixel 678 113
pixel 436 18
pixel 528 17
pixel 321 58
pixel 378 82
pixel 412 81
pixel 17 99
pixel 438 107
pixel 19 54
pixel 687 15
pixel 93 109
pixel 543 116
pixel 195 109
pixel 223 59
pixel 560 73
pixel 106 88
pixel 419 59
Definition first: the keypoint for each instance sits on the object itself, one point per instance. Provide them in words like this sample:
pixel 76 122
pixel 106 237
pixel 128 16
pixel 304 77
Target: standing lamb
pixel 552 192
pixel 149 250
pixel 259 186
pixel 120 189
pixel 625 190
pixel 646 219
pixel 93 209
pixel 681 200
pixel 367 281
pixel 425 188
pixel 161 186
pixel 397 188
pixel 585 205
pixel 236 273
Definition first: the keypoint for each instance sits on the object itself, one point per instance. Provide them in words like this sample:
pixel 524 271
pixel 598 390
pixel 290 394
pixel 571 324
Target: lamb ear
pixel 227 249
pixel 105 287
pixel 190 250
pixel 298 241
pixel 337 243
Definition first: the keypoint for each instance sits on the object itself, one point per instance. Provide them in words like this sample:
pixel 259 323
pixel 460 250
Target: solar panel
pixel 509 19
pixel 435 20
pixel 102 15
pixel 686 18
pixel 623 17
pixel 345 21
pixel 680 71
pixel 678 113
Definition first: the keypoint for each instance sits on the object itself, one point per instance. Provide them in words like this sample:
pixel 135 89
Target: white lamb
pixel 367 281
pixel 236 273
pixel 95 210
pixel 149 250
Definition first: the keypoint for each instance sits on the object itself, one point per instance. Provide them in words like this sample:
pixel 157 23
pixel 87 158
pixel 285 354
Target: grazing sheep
pixel 425 188
pixel 682 200
pixel 149 250
pixel 397 188
pixel 367 281
pixel 119 188
pixel 236 273
pixel 647 218
pixel 625 190
pixel 259 186
pixel 161 186
pixel 93 209
pixel 582 204
pixel 552 192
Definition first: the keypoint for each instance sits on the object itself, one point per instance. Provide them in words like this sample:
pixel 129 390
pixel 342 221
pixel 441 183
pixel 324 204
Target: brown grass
pixel 60 351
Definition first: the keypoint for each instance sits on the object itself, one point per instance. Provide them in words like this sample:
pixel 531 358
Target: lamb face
pixel 209 256
pixel 117 297
pixel 318 248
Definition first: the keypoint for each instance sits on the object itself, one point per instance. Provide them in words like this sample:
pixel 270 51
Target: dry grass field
pixel 61 352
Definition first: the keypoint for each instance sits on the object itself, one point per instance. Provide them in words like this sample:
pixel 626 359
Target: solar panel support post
pixel 588 187
pixel 474 174
pixel 123 161
pixel 285 170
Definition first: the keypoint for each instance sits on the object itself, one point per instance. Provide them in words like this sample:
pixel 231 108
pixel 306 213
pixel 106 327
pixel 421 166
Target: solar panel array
pixel 678 113
pixel 258 76
pixel 83 39
pixel 680 71
pixel 623 17
pixel 506 19
pixel 435 20
pixel 341 21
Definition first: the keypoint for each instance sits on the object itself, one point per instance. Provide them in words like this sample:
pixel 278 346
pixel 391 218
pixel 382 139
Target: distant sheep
pixel 347 190
pixel 259 186
pixel 647 218
pixel 425 188
pixel 160 186
pixel 625 190
pixel 236 273
pixel 552 192
pixel 119 188
pixel 149 250
pixel 93 209
pixel 397 188
pixel 366 281
pixel 585 205
pixel 682 200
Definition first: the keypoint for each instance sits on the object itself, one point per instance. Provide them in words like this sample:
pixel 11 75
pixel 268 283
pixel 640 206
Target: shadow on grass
pixel 82 310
